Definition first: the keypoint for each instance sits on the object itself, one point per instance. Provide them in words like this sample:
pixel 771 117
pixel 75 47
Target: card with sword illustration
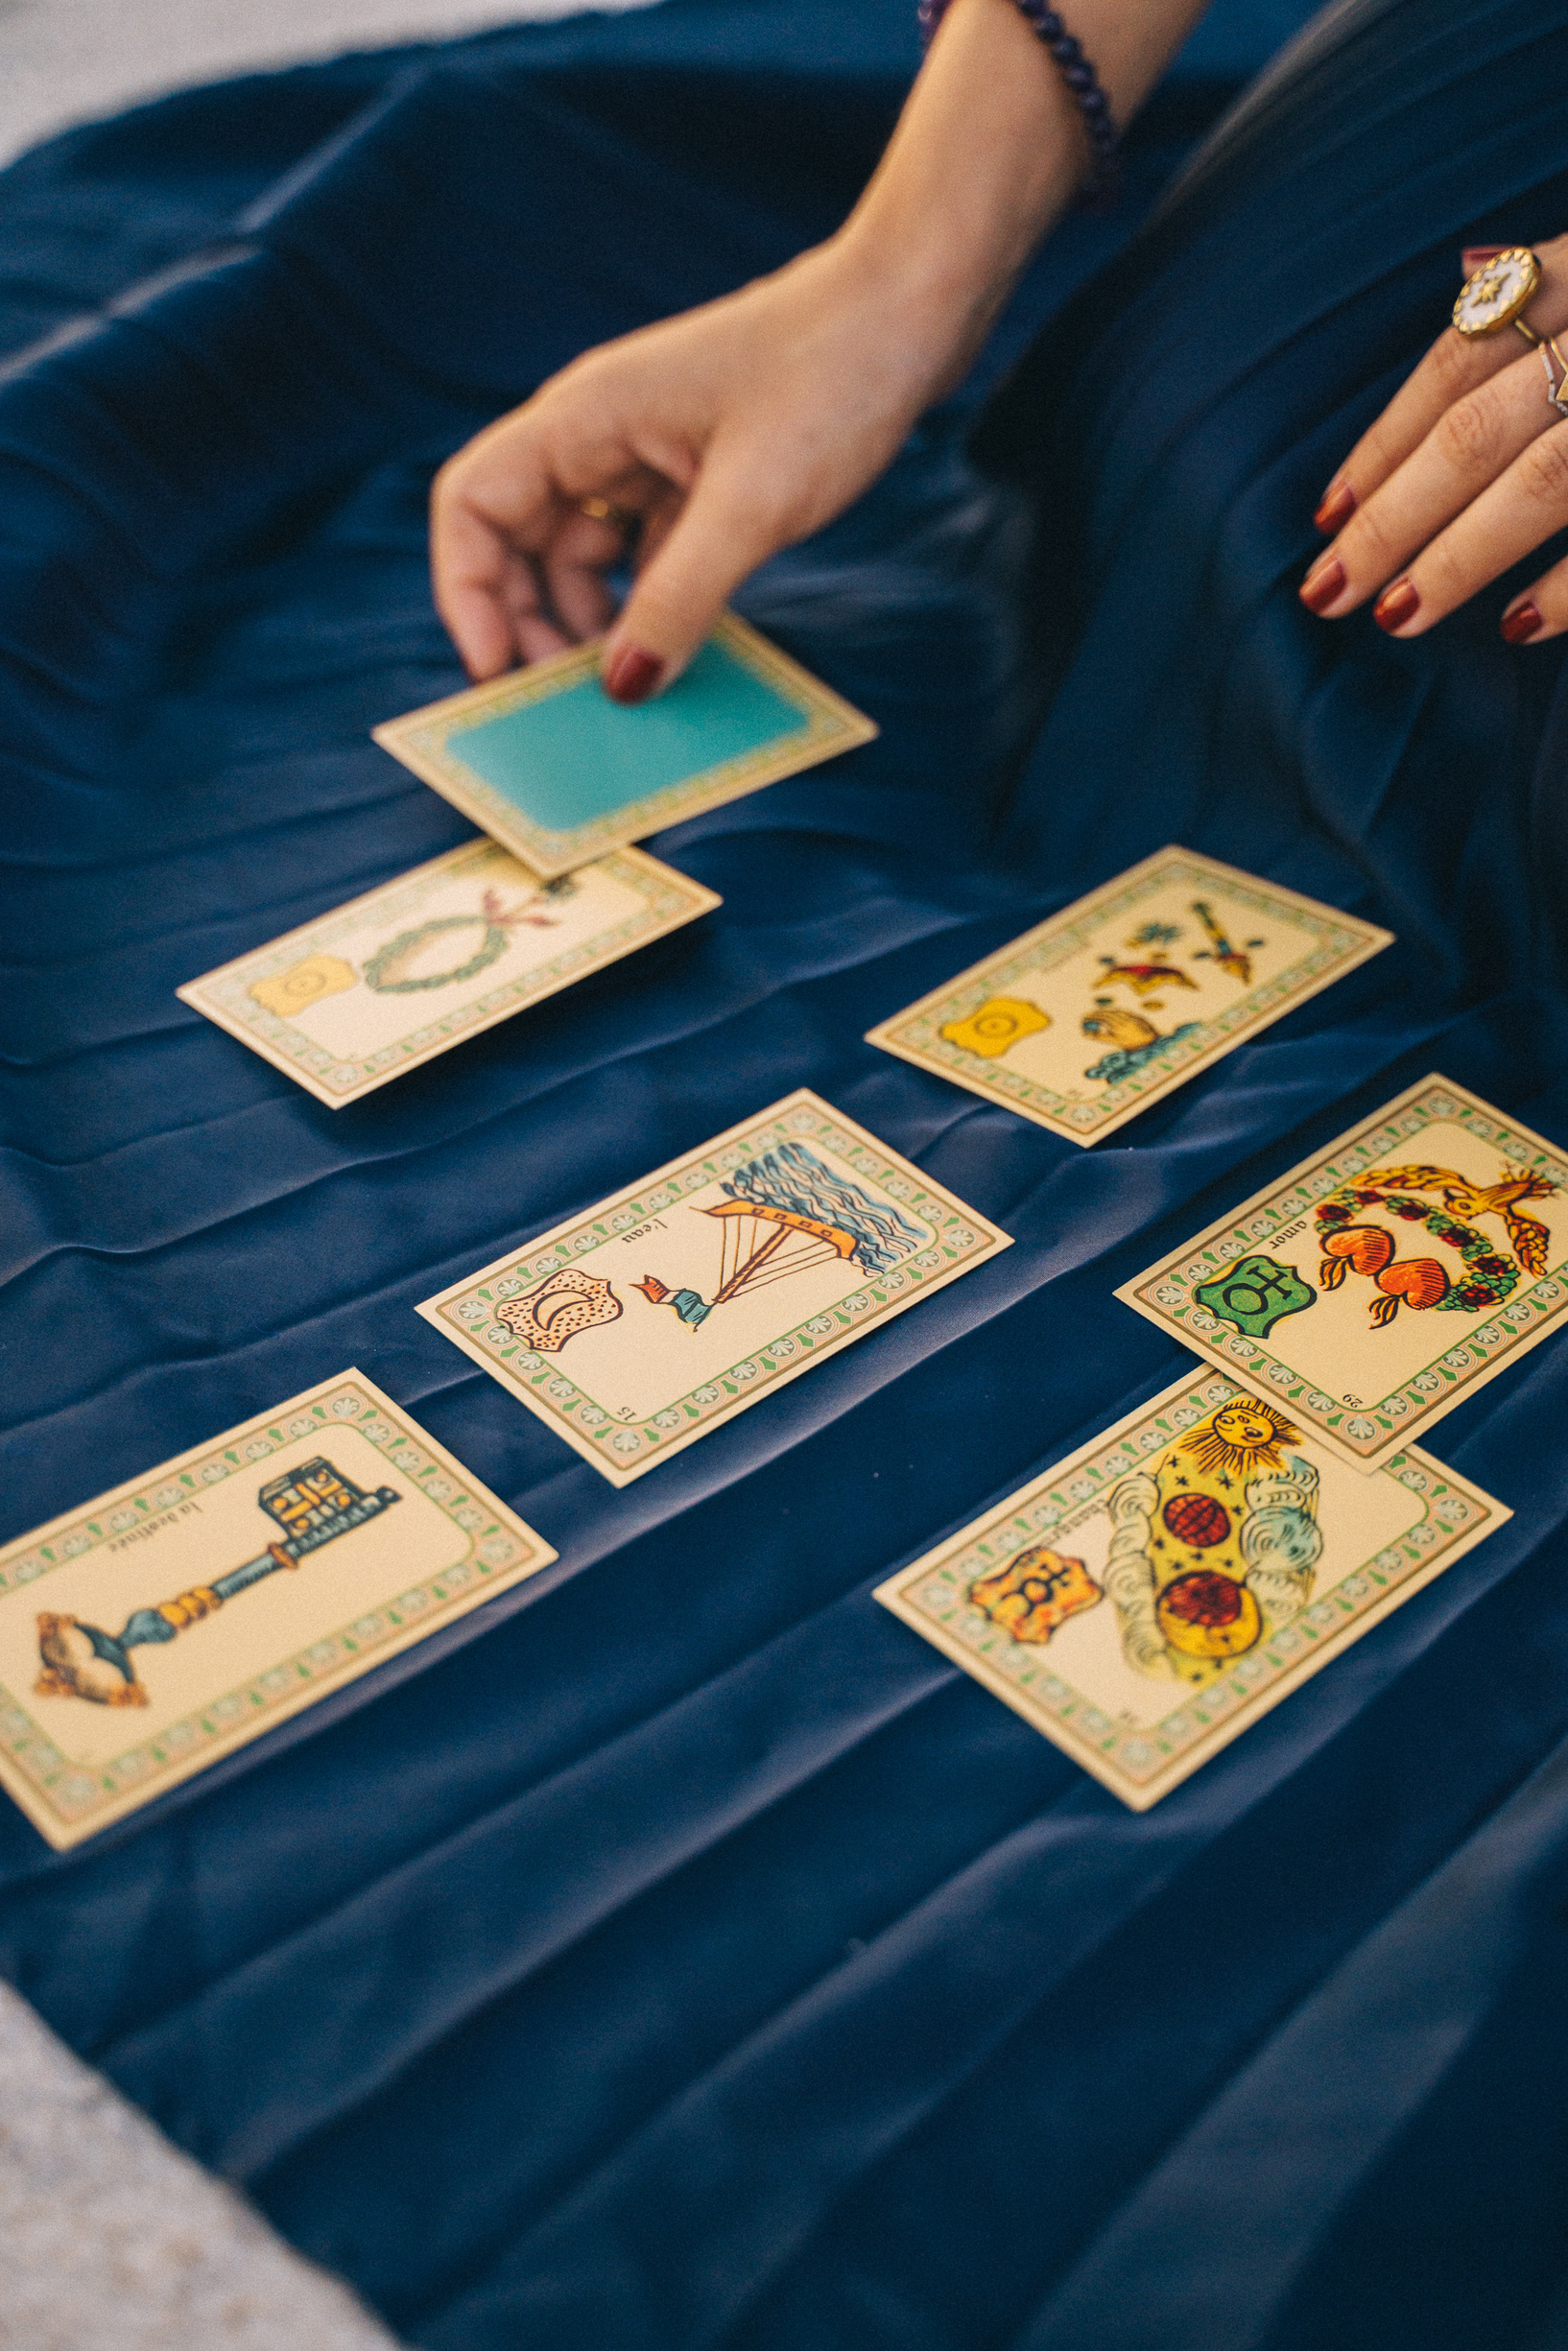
pixel 1115 1002
pixel 157 1628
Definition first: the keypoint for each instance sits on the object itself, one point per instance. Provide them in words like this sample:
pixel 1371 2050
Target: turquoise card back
pixel 558 775
pixel 576 756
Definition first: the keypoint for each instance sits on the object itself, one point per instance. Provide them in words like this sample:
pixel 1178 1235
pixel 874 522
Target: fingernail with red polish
pixel 1338 507
pixel 1322 583
pixel 1399 603
pixel 1473 255
pixel 634 675
pixel 1522 623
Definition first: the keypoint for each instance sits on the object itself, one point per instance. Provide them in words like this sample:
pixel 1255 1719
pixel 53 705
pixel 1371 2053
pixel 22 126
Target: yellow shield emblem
pixel 996 1025
pixel 307 982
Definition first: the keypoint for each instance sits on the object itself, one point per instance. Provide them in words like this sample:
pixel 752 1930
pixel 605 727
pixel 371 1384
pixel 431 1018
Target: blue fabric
pixel 685 1955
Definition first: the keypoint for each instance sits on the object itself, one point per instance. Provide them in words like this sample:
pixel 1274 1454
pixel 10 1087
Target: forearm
pixel 988 154
pixel 742 427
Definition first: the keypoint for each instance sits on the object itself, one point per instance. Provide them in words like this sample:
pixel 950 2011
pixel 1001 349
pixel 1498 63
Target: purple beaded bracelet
pixel 1105 183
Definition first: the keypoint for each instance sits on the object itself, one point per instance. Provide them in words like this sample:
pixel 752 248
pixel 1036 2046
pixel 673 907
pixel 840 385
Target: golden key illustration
pixel 312 1504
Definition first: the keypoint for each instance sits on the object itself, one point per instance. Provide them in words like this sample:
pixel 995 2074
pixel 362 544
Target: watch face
pixel 1497 292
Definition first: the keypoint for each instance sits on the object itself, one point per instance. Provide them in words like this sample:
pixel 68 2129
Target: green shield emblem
pixel 1255 1295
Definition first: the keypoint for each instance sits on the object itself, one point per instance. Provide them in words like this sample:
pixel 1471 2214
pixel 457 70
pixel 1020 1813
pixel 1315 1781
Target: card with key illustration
pixel 555 771
pixel 1146 1600
pixel 640 1325
pixel 154 1631
pixel 1122 997
pixel 351 1001
pixel 1386 1278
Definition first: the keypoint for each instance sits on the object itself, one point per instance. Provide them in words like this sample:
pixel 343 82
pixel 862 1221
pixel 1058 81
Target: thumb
pixel 721 536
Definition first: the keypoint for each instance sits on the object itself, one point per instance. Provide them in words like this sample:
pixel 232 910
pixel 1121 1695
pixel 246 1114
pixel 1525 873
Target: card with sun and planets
pixel 1146 1600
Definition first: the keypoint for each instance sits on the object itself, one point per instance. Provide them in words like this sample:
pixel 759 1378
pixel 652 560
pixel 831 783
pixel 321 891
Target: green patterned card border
pixel 1340 943
pixel 420 740
pixel 1364 1431
pixel 492 1547
pixel 958 1238
pixel 668 900
pixel 1133 1761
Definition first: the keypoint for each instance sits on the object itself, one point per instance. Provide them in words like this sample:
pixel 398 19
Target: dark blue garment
pixel 681 1955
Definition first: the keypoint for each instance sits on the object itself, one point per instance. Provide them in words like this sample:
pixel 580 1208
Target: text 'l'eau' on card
pixel 1113 1004
pixel 391 980
pixel 546 764
pixel 150 1633
pixel 1146 1600
pixel 1385 1279
pixel 641 1325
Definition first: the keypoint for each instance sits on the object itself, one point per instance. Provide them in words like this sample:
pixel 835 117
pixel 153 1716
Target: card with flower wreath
pixel 1119 998
pixel 1385 1279
pixel 387 982
pixel 1146 1600
pixel 642 1324
pixel 151 1632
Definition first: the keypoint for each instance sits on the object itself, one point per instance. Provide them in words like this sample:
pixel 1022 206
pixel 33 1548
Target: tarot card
pixel 1144 1602
pixel 347 1003
pixel 181 1616
pixel 637 1327
pixel 1381 1282
pixel 1115 1002
pixel 555 771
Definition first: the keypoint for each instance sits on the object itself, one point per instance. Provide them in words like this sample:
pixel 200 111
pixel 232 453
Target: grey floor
pixel 113 2240
pixel 117 2242
pixel 72 60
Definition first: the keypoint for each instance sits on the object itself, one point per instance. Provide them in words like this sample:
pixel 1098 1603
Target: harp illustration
pixel 786 1212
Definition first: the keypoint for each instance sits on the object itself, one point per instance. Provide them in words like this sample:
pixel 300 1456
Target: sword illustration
pixel 312 1504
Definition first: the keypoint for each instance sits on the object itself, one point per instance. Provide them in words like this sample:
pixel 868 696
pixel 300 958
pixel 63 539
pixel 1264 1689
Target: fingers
pixel 516 563
pixel 1541 611
pixel 487 503
pixel 534 635
pixel 576 559
pixel 1455 365
pixel 487 591
pixel 1504 524
pixel 697 559
pixel 1470 447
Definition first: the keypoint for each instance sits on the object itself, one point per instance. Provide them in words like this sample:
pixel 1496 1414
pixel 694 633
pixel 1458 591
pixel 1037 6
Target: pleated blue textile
pixel 680 1954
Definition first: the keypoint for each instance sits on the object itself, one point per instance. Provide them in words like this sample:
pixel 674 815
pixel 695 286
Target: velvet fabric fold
pixel 681 1952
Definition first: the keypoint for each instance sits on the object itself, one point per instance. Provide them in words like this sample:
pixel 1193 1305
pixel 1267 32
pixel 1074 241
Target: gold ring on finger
pixel 600 510
pixel 1497 293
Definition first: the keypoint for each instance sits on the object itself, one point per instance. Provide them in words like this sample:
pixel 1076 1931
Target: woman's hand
pixel 717 437
pixel 729 433
pixel 1463 474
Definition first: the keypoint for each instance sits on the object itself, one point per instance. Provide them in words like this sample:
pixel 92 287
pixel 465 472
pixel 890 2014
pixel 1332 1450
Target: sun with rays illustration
pixel 1241 1438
